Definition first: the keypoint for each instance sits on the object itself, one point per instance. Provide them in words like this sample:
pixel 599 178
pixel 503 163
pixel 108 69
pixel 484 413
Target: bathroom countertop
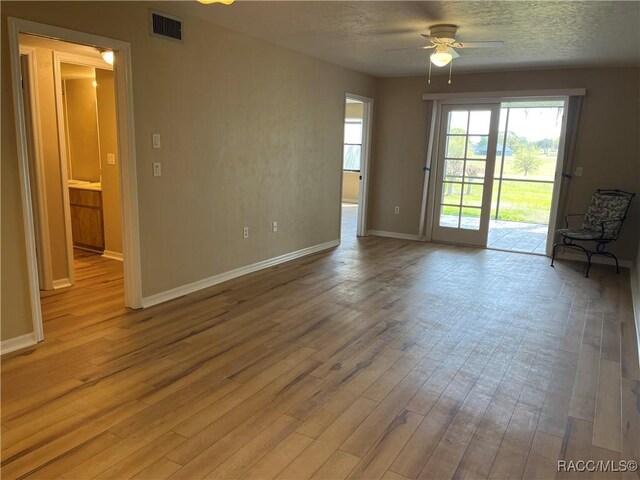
pixel 93 186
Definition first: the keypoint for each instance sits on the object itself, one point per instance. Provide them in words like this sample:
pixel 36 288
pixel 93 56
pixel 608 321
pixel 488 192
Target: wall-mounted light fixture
pixel 209 2
pixel 107 56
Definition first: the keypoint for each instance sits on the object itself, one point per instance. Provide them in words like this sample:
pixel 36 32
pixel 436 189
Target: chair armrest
pixel 609 221
pixel 566 217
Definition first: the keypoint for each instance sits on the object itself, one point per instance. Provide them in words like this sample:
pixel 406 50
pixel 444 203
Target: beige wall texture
pixel 251 133
pixel 107 126
pixel 607 144
pixel 82 129
pixel 350 186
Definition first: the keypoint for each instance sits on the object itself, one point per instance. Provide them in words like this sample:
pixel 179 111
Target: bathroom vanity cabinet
pixel 87 223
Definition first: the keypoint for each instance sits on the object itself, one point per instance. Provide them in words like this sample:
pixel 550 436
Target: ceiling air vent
pixel 165 26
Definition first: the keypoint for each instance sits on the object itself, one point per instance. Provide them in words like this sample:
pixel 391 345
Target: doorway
pixel 498 167
pixel 524 178
pixel 38 136
pixel 70 105
pixel 355 165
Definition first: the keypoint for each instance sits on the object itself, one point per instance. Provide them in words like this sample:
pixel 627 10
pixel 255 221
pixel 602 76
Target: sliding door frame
pixel 428 196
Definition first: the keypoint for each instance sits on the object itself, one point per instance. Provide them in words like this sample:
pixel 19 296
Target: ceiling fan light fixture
pixel 209 2
pixel 441 56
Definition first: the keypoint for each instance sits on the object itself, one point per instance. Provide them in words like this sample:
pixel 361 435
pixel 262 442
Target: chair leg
pixel 586 275
pixel 607 254
pixel 553 255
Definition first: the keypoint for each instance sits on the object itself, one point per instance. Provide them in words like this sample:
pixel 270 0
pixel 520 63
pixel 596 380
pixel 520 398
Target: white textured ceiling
pixel 360 34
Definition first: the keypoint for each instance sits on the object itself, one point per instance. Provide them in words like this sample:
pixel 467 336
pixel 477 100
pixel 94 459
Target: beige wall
pixel 110 172
pixel 607 145
pixel 350 186
pixel 82 129
pixel 251 133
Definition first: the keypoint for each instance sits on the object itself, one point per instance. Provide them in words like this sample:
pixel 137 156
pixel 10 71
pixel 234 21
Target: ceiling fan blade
pixel 401 49
pixel 431 38
pixel 495 44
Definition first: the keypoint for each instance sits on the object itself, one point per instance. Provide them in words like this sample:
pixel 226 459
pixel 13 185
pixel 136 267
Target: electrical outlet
pixel 274 226
pixel 577 172
pixel 157 169
pixel 245 232
pixel 155 140
pixel 396 210
pixel 111 159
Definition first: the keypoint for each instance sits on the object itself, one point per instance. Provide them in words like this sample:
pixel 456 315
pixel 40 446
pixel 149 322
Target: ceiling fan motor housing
pixel 445 33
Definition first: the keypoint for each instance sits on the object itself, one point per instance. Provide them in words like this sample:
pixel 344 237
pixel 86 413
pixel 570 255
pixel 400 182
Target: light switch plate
pixel 111 159
pixel 155 140
pixel 577 172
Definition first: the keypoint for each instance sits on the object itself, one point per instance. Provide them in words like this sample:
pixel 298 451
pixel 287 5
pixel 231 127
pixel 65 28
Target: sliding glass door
pixel 465 170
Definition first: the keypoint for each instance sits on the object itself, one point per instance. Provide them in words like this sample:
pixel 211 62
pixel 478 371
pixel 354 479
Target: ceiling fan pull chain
pixel 450 68
pixel 429 80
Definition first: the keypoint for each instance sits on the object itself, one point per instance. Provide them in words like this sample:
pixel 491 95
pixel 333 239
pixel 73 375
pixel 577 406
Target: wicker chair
pixel 602 223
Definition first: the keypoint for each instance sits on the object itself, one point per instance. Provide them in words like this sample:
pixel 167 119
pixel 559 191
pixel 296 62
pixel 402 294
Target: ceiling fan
pixel 443 40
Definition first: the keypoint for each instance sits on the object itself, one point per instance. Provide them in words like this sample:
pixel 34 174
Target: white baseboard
pixel 597 259
pixel 238 272
pixel 112 255
pixel 17 343
pixel 403 236
pixel 61 283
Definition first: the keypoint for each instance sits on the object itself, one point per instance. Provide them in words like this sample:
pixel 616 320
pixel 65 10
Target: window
pixel 352 145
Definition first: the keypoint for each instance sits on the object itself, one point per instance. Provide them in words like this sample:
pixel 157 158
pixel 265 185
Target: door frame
pixel 39 197
pixel 428 197
pixel 365 160
pixel 58 58
pixel 126 150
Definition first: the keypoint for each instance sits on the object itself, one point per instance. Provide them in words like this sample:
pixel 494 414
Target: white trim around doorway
pixel 40 214
pixel 124 109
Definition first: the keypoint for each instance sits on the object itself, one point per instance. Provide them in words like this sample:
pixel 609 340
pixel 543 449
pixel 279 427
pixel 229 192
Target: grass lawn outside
pixel 519 201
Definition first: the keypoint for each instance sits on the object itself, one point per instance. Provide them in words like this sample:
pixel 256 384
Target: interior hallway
pixel 380 358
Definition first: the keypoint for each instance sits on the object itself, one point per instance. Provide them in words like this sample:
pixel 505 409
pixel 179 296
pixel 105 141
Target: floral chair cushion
pixel 608 207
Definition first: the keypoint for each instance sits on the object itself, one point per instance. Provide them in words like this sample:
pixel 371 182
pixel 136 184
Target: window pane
pixel 472 195
pixel 352 157
pixel 449 216
pixel 474 171
pixel 455 146
pixel 477 146
pixel 353 133
pixel 479 122
pixel 525 202
pixel 451 193
pixel 470 218
pixel 458 122
pixel 453 170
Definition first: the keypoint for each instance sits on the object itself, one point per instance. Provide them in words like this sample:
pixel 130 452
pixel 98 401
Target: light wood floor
pixel 382 358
